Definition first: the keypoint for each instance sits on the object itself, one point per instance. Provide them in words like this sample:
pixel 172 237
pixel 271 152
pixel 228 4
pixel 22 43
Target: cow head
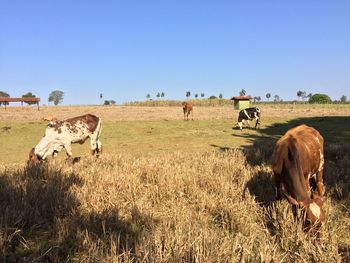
pixel 313 211
pixel 314 214
pixel 34 158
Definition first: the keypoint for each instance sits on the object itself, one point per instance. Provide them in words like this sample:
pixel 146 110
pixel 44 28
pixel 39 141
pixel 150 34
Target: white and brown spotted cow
pixel 61 134
pixel 298 159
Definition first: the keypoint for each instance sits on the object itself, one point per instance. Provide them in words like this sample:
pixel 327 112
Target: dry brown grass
pixel 131 113
pixel 173 207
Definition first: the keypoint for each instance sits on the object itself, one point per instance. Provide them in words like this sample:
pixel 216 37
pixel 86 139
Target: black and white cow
pixel 61 134
pixel 249 114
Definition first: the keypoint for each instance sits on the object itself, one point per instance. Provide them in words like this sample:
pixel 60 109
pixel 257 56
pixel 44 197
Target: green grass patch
pixel 152 137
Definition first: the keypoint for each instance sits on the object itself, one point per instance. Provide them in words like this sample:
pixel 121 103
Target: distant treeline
pixel 213 103
pixel 196 102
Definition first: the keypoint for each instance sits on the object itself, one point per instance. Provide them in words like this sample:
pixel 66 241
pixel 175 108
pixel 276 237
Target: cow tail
pixel 296 159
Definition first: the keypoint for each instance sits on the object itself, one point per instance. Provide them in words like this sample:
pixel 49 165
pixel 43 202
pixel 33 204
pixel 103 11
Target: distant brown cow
pixel 298 158
pixel 188 109
pixel 49 117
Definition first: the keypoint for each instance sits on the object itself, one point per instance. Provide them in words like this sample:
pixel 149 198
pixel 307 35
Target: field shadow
pixel 335 130
pixel 262 188
pixel 32 200
pixel 41 219
pixel 221 148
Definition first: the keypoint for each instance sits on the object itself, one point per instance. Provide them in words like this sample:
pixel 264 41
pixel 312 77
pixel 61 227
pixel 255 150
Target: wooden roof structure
pixel 8 100
pixel 241 98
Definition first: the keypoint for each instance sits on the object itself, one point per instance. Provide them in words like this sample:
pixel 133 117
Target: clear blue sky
pixel 126 49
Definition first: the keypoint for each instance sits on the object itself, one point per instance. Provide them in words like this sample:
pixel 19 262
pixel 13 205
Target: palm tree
pixel 188 94
pixel 268 95
pixel 242 92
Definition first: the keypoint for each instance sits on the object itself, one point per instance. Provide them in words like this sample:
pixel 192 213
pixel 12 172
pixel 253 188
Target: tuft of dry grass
pixel 173 207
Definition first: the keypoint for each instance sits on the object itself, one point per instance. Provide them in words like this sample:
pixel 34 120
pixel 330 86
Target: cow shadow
pixel 41 219
pixel 221 148
pixel 32 200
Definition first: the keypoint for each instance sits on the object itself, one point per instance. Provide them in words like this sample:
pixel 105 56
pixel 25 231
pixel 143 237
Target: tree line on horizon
pixel 57 96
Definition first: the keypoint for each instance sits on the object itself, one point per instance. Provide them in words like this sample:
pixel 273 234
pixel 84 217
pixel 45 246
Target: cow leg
pixel 240 125
pixel 278 187
pixel 307 186
pixel 320 185
pixel 247 123
pixel 96 146
pixel 68 148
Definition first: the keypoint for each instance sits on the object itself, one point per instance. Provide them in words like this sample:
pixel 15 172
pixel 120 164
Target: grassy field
pixel 167 190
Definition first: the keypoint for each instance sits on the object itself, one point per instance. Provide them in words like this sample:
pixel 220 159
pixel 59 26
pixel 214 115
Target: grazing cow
pixel 188 109
pixel 298 158
pixel 247 115
pixel 61 134
pixel 49 117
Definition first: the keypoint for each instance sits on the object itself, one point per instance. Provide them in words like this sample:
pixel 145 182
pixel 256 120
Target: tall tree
pixel 202 95
pixel 188 94
pixel 148 96
pixel 302 94
pixel 220 96
pixel 343 99
pixel 56 97
pixel 277 98
pixel 101 96
pixel 158 95
pixel 268 95
pixel 29 95
pixel 4 94
pixel 242 92
pixel 196 95
pixel 257 98
pixel 162 94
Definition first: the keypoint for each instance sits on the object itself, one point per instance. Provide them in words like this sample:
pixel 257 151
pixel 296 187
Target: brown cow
pixel 49 117
pixel 188 109
pixel 298 157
